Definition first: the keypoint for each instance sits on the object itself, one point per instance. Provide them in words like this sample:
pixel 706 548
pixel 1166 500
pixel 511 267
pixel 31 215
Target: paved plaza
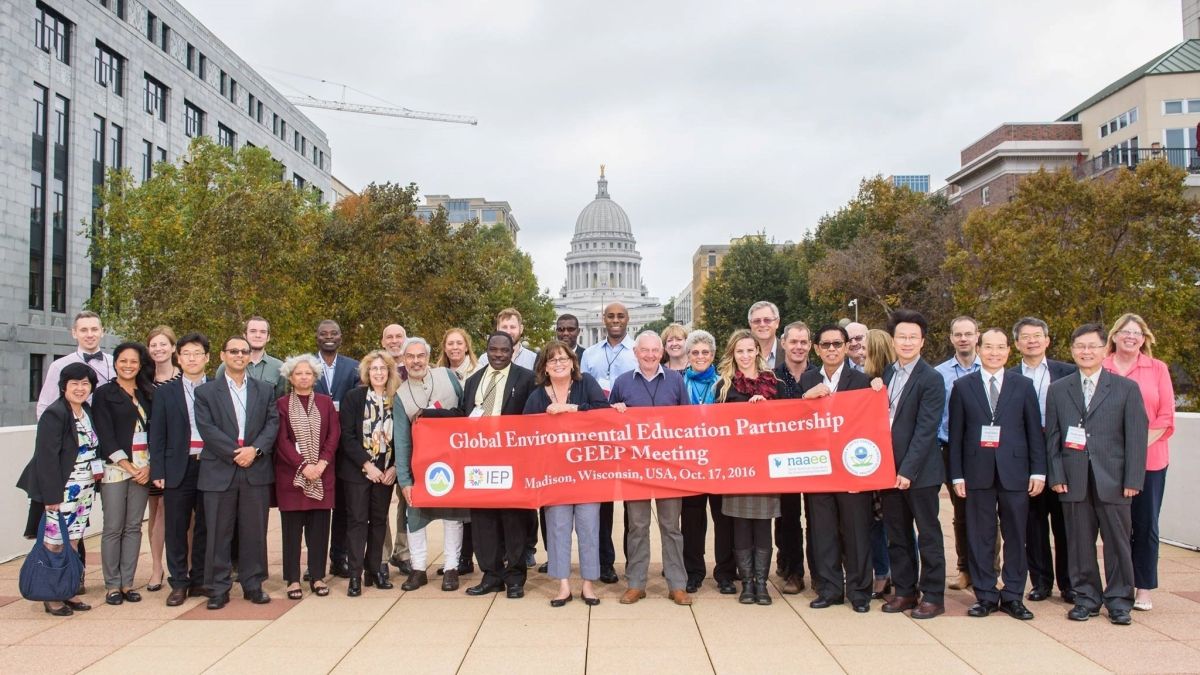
pixel 429 631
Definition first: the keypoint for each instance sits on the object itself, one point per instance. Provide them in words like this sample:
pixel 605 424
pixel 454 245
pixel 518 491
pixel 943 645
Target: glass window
pixel 58 233
pixel 37 204
pixel 116 146
pixel 52 33
pixel 193 120
pixel 110 69
pixel 37 367
pixel 151 27
pixel 226 136
pixel 162 154
pixel 1172 107
pixel 165 42
pixel 1193 105
pixel 156 98
pixel 147 160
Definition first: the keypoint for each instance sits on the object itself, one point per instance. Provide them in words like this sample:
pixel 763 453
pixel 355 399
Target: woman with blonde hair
pixel 1130 354
pixel 457 355
pixel 881 353
pixel 674 356
pixel 744 377
pixel 160 343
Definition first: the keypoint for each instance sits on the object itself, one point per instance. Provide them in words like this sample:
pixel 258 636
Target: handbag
pixel 49 576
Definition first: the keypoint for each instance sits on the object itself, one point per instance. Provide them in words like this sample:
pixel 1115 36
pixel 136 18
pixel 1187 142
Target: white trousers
pixel 418 547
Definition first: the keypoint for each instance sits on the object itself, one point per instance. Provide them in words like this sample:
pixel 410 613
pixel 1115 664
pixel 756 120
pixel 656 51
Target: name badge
pixel 1076 438
pixel 196 444
pixel 97 467
pixel 477 412
pixel 337 406
pixel 989 436
pixel 139 441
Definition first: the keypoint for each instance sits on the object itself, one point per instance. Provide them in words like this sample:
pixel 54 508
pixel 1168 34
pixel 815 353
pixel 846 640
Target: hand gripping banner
pixel 839 443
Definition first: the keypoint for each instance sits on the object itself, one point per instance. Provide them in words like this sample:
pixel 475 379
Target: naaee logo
pixel 796 464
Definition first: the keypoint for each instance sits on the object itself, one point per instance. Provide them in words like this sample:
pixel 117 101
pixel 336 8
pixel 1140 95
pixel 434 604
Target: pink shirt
pixel 1154 381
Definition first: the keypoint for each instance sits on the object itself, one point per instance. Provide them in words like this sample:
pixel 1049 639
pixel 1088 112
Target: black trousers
pixel 313 527
pixel 180 506
pixel 694 526
pixel 789 535
pixel 241 512
pixel 608 553
pixel 338 546
pixel 901 510
pixel 468 545
pixel 500 537
pixel 1114 523
pixel 1046 564
pixel 751 533
pixel 983 507
pixel 839 545
pixel 531 536
pixel 366 524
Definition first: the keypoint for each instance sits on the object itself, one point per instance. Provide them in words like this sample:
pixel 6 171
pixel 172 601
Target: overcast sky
pixel 715 119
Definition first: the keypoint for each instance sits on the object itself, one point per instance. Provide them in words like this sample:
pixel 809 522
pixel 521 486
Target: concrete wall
pixel 1178 522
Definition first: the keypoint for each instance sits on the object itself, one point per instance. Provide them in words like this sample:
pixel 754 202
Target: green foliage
pixel 1073 251
pixel 752 270
pixel 667 318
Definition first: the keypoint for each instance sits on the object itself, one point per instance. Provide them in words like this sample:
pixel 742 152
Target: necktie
pixel 993 395
pixel 489 393
pixel 1088 390
pixel 97 356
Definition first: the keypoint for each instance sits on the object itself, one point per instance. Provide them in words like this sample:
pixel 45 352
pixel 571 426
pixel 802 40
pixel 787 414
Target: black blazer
pixel 170 434
pixel 516 393
pixel 55 448
pixel 585 393
pixel 851 379
pixel 915 425
pixel 217 423
pixel 1022 449
pixel 345 378
pixel 352 455
pixel 114 416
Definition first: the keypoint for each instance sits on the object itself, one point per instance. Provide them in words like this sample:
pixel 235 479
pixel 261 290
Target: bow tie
pixel 88 358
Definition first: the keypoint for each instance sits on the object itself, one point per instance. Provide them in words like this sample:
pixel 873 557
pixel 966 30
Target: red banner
pixel 840 443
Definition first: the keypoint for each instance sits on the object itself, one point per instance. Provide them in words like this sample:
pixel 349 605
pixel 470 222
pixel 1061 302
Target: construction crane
pixel 386 111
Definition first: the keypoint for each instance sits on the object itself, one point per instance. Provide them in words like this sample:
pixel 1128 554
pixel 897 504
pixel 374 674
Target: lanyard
pixel 657 384
pixel 892 400
pixel 616 353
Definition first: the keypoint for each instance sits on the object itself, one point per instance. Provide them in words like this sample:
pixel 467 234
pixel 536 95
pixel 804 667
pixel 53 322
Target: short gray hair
pixel 1029 321
pixel 760 305
pixel 313 362
pixel 647 334
pixel 699 336
pixel 415 340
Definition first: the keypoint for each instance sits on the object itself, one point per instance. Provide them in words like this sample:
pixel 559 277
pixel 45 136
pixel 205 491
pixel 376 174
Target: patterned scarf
pixel 377 429
pixel 763 385
pixel 700 385
pixel 306 427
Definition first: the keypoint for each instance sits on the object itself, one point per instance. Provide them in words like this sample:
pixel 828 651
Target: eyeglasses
pixel 858 338
pixel 192 355
pixel 1086 347
pixel 1130 333
pixel 377 369
pixel 957 336
pixel 836 344
pixel 763 321
pixel 238 352
pixel 558 360
pixel 1031 337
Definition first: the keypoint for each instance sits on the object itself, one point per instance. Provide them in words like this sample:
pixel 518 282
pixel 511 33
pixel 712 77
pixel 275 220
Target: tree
pixel 752 270
pixel 1073 251
pixel 205 245
pixel 667 318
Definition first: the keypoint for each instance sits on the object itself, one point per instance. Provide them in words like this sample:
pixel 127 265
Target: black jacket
pixel 585 393
pixel 516 392
pixel 217 423
pixel 114 416
pixel 170 434
pixel 55 449
pixel 915 425
pixel 352 455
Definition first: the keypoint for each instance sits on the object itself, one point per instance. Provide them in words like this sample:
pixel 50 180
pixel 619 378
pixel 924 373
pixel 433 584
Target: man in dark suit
pixel 175 447
pixel 1096 434
pixel 916 395
pixel 1032 336
pixel 499 535
pixel 997 461
pixel 839 523
pixel 339 375
pixel 566 329
pixel 237 420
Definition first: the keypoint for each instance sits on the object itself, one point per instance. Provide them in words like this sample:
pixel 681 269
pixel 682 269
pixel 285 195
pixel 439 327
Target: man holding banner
pixel 652 385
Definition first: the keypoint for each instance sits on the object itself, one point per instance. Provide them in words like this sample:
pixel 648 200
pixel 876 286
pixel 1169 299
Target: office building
pixel 462 209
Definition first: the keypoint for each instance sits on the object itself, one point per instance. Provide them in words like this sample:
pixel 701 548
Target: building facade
pixel 604 266
pixel 914 182
pixel 97 84
pixel 462 209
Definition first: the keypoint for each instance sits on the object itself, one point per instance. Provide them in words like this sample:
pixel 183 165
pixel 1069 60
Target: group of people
pixel 1042 448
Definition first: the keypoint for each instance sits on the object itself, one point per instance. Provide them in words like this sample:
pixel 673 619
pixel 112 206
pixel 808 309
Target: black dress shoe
pixel 354 589
pixel 1081 613
pixel 822 603
pixel 692 586
pixel 1038 594
pixel 862 607
pixel 258 597
pixel 483 589
pixel 544 568
pixel 981 609
pixel 77 606
pixel 726 587
pixel 218 601
pixel 1016 609
pixel 402 566
pixel 1120 617
pixel 176 597
pixel 1068 597
pixel 114 597
pixel 379 580
pixel 515 592
pixel 415 580
pixel 559 602
pixel 608 575
pixel 466 567
pixel 131 596
pixel 339 568
pixel 590 602
pixel 61 610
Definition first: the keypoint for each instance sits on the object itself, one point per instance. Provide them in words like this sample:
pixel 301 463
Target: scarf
pixel 700 385
pixel 764 385
pixel 377 429
pixel 306 427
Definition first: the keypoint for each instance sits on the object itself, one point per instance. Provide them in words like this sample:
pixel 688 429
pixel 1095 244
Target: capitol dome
pixel 603 215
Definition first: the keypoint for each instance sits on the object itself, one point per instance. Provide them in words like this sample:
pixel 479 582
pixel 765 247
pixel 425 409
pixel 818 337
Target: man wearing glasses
pixel 1032 336
pixel 839 524
pixel 763 318
pixel 857 347
pixel 964 335
pixel 1096 435
pixel 237 420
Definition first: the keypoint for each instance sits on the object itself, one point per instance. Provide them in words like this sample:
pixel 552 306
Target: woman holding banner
pixel 746 378
pixel 562 389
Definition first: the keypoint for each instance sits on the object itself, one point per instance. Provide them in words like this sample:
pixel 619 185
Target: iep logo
pixel 488 477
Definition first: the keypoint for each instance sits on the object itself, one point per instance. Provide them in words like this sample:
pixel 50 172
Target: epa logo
pixel 439 479
pixel 861 457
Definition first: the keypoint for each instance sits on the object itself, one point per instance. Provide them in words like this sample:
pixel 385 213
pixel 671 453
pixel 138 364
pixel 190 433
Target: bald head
pixel 393 339
pixel 858 342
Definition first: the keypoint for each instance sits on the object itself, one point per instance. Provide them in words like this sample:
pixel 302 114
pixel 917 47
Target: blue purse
pixel 48 576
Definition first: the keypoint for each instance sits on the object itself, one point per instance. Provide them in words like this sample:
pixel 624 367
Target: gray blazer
pixel 1116 428
pixel 217 423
